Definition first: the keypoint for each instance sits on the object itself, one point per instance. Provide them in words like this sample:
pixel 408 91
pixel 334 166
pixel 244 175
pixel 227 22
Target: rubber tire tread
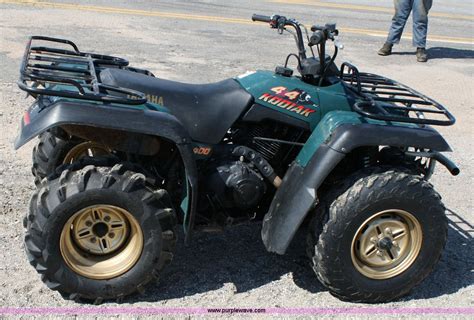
pixel 336 212
pixel 50 203
pixel 48 154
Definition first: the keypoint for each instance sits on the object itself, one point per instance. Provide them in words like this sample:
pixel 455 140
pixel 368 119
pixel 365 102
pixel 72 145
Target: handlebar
pixel 258 17
pixel 321 34
pixel 280 22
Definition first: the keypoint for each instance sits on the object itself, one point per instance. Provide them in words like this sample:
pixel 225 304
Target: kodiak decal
pixel 290 100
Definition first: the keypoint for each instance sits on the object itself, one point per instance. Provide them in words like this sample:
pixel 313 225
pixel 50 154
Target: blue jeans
pixel 420 10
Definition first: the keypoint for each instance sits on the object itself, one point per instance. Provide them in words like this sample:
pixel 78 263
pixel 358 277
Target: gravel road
pixel 233 268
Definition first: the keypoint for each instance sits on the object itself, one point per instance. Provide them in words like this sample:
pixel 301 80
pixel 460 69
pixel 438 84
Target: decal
pixel 292 95
pixel 154 99
pixel 296 94
pixel 291 100
pixel 150 98
pixel 286 104
pixel 202 151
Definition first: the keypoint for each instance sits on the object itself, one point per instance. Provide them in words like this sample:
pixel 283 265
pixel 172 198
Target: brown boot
pixel 421 55
pixel 386 50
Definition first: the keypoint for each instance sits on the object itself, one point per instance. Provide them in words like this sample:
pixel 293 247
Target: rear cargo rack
pixel 388 100
pixel 70 73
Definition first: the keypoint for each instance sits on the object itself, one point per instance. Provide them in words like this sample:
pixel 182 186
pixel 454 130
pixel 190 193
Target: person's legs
pixel 420 27
pixel 420 22
pixel 402 12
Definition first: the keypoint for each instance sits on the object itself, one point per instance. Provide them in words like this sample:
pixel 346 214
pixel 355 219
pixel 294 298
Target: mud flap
pixel 296 196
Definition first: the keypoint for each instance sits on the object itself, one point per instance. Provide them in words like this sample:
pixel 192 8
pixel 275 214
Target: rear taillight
pixel 26 118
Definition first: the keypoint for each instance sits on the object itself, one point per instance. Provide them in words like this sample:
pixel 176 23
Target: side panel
pixel 338 133
pixel 258 113
pixel 288 95
pixel 294 98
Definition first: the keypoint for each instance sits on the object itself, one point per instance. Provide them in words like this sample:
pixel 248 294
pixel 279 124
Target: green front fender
pixel 338 133
pixel 329 123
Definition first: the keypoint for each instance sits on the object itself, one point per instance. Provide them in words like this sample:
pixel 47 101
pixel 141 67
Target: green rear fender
pixel 148 119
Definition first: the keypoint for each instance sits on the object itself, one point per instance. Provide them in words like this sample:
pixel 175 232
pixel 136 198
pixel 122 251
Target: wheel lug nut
pixel 373 239
pixel 93 240
pixel 379 253
pixel 395 243
pixel 388 231
pixel 111 235
pixel 106 218
pixel 88 223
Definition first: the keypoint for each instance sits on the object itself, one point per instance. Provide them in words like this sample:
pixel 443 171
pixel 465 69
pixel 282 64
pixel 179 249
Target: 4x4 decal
pixel 284 98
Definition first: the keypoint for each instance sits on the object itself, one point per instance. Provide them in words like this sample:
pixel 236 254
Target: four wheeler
pixel 124 156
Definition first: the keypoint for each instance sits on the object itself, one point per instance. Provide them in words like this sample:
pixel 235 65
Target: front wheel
pixel 99 233
pixel 377 236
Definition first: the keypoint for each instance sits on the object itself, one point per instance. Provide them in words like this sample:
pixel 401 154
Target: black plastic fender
pixel 40 118
pixel 297 194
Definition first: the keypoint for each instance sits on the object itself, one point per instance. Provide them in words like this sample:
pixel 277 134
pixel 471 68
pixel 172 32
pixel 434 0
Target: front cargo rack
pixel 70 73
pixel 388 100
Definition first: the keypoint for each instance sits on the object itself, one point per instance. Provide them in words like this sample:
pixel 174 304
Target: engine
pixel 238 190
pixel 278 154
pixel 237 185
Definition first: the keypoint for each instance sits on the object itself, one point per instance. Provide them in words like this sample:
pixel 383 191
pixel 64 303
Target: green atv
pixel 124 156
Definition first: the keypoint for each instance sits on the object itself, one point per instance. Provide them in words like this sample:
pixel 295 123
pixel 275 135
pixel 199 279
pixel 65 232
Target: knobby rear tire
pixel 48 154
pixel 55 201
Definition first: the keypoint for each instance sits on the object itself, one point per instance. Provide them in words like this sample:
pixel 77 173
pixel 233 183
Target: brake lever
pixel 274 21
pixel 281 24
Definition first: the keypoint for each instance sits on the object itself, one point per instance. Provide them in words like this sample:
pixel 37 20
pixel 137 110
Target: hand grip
pixel 258 17
pixel 316 38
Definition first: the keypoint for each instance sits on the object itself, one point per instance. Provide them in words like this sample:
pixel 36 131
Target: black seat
pixel 207 111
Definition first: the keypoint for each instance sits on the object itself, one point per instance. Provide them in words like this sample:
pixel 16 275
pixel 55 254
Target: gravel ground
pixel 232 268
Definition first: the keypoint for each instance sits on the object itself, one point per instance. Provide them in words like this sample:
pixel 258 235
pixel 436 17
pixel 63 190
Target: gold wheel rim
pixel 386 244
pixel 85 149
pixel 101 242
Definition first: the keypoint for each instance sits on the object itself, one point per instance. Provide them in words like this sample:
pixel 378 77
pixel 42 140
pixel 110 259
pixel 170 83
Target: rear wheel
pixel 377 236
pixel 101 241
pixel 99 233
pixel 51 151
pixel 84 150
